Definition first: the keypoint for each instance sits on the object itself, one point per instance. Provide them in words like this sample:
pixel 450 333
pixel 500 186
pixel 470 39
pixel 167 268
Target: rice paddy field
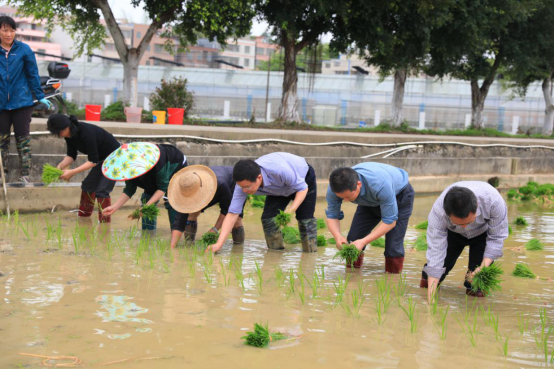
pixel 79 294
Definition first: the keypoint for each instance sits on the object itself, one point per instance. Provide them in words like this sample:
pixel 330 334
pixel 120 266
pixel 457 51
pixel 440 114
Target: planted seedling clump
pixel 321 240
pixel 321 224
pixel 50 174
pixel 283 219
pixel 534 245
pixel 422 225
pixel 421 242
pixel 487 279
pixel 261 337
pixel 348 253
pixel 380 242
pixel 520 221
pixel 523 271
pixel 148 212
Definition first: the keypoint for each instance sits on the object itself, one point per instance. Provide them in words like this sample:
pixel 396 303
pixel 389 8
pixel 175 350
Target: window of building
pixel 159 48
pixel 147 62
pixel 233 48
pixel 246 62
pixel 336 64
pixel 247 49
pixel 189 56
pixel 199 57
pixel 138 34
pixel 110 47
pixel 270 52
pixel 148 48
pixel 260 51
pixel 327 65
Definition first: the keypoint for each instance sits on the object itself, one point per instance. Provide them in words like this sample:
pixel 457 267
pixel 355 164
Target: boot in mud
pixel 394 265
pixel 23 145
pixel 273 235
pixel 190 230
pixel 104 202
pixel 86 206
pixel 358 263
pixel 308 234
pixel 238 235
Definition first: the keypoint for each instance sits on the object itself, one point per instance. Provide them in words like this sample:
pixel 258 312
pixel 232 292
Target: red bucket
pixel 92 112
pixel 175 115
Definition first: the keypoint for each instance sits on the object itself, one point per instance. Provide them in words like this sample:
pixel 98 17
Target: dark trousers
pixel 20 119
pixel 305 211
pixel 96 182
pixel 456 244
pixel 367 217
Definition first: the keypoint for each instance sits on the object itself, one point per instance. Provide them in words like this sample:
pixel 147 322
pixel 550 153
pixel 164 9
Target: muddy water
pixel 113 297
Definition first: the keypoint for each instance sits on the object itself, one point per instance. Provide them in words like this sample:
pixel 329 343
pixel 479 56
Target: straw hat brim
pixel 198 199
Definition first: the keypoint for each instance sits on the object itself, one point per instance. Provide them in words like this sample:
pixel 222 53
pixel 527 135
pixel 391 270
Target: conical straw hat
pixel 130 161
pixel 192 188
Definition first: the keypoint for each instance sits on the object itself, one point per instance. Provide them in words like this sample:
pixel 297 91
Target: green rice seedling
pixel 442 323
pixel 384 292
pixel 421 242
pixel 534 245
pixel 471 329
pixel 321 272
pixel 291 235
pixel 523 270
pixel 321 224
pixel 510 231
pixel 401 287
pixel 50 174
pixel 261 337
pixel 380 242
pixel 260 277
pixel 358 298
pixel 487 279
pixel 340 288
pixel 545 331
pixel 283 219
pixel 332 241
pixel 291 280
pixel 422 225
pixel 520 221
pixel 256 201
pixel 149 212
pixel 279 276
pixel 522 323
pixel 513 194
pixel 321 241
pixel 411 312
pixel 301 292
pixel 348 253
pixel 226 279
pixel 504 349
pixel 209 238
pixel 25 229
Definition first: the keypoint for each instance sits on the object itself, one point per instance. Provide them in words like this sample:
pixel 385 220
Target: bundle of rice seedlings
pixel 332 241
pixel 422 225
pixel 348 253
pixel 520 221
pixel 513 194
pixel 321 240
pixel 510 230
pixel 50 174
pixel 283 219
pixel 421 242
pixel 380 242
pixel 534 245
pixel 291 235
pixel 148 212
pixel 321 224
pixel 261 337
pixel 523 270
pixel 209 238
pixel 487 279
pixel 257 201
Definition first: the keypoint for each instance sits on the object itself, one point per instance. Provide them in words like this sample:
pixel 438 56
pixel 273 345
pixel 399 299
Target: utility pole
pixel 267 87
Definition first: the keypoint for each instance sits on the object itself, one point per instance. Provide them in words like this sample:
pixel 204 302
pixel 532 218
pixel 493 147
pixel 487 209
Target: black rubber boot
pixel 238 235
pixel 308 234
pixel 190 230
pixel 273 235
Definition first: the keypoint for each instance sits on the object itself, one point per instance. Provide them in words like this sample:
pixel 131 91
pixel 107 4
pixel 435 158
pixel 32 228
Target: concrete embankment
pixel 433 162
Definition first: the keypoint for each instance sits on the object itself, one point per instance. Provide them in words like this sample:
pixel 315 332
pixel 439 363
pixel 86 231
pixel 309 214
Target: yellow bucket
pixel 158 117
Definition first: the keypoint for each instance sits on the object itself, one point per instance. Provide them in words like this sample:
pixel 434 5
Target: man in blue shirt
pixel 283 178
pixel 385 201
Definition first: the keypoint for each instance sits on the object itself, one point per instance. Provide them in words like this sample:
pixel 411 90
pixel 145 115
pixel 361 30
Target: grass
pixel 148 212
pixel 421 242
pixel 520 221
pixel 523 270
pixel 348 253
pixel 422 225
pixel 50 174
pixel 283 219
pixel 321 240
pixel 380 242
pixel 261 336
pixel 534 245
pixel 291 235
pixel 487 279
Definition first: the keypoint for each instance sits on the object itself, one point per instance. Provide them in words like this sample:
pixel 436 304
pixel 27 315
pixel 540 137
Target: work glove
pixel 47 103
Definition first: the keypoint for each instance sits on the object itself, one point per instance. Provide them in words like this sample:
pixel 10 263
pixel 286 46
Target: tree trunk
pixel 288 112
pixel 549 111
pixel 130 79
pixel 477 104
pixel 398 96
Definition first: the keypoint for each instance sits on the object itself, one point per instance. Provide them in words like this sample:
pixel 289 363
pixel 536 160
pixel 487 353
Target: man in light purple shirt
pixel 283 178
pixel 466 213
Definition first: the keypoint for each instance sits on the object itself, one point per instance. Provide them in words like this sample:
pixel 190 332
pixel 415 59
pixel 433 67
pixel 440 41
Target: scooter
pixel 51 86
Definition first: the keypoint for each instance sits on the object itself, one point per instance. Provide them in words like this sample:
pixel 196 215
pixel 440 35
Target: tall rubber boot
pixel 238 235
pixel 308 234
pixel 190 230
pixel 394 265
pixel 103 203
pixel 273 235
pixel 148 224
pixel 86 206
pixel 5 148
pixel 358 263
pixel 23 144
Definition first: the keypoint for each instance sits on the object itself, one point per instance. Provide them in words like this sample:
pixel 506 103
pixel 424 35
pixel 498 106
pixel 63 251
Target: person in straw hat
pixel 283 177
pixel 194 189
pixel 145 165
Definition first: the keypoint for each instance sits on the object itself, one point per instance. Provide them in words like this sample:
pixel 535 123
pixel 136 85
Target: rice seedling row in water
pixel 411 312
pixel 260 277
pixel 520 221
pixel 545 331
pixel 279 276
pixel 421 242
pixel 301 292
pixel 471 329
pixel 50 174
pixel 261 336
pixel 523 270
pixel 504 349
pixel 441 323
pixel 422 225
pixel 340 288
pixel 487 279
pixel 522 323
pixel 283 219
pixel 348 253
pixel 534 245
pixel 321 241
pixel 380 242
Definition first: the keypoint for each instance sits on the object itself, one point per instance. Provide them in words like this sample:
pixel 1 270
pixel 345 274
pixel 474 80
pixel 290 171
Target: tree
pixel 533 59
pixel 182 20
pixel 472 45
pixel 392 35
pixel 296 24
pixel 308 59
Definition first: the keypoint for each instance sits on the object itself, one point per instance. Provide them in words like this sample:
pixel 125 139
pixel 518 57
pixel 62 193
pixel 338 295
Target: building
pixel 348 65
pixel 264 49
pixel 33 33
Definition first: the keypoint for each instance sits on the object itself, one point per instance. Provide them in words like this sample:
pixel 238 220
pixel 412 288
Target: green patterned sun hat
pixel 131 161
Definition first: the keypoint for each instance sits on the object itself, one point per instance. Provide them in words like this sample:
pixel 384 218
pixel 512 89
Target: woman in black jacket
pixel 97 144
